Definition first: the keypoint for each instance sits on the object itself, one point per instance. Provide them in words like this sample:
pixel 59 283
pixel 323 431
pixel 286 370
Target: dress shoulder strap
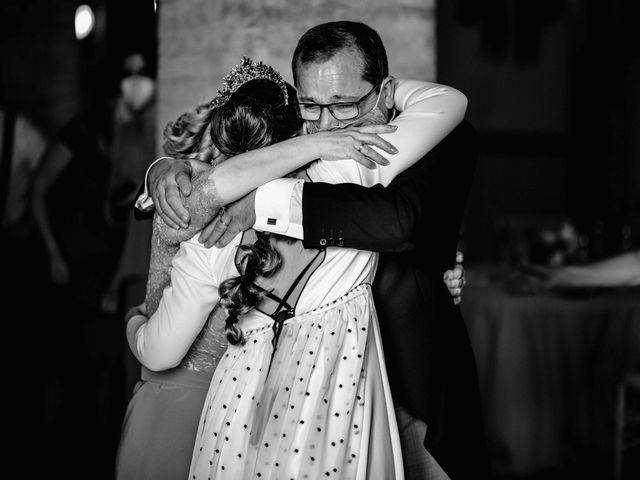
pixel 285 305
pixel 284 311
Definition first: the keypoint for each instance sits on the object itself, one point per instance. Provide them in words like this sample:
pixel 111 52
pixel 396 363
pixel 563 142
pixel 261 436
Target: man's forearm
pixel 346 215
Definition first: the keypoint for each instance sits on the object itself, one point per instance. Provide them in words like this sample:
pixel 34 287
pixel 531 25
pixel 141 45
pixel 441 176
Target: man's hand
pixel 353 143
pixel 170 181
pixel 231 220
pixel 455 280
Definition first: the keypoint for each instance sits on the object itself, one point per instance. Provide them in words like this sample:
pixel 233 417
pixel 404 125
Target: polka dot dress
pixel 321 412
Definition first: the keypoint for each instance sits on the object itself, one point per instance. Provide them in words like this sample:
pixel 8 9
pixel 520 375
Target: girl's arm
pixel 428 113
pixel 243 173
pixel 234 178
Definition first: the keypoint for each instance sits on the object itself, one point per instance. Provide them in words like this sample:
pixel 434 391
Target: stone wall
pixel 200 40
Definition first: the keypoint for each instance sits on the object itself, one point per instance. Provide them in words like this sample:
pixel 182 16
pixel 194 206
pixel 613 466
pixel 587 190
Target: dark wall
pixel 51 75
pixel 39 54
pixel 553 90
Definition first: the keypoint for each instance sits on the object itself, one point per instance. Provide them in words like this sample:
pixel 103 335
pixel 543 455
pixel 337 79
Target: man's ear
pixel 388 92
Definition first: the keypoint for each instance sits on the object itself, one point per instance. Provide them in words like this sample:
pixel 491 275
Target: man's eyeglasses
pixel 340 110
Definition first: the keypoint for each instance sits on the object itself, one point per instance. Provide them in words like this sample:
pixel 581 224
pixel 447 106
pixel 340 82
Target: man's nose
pixel 326 120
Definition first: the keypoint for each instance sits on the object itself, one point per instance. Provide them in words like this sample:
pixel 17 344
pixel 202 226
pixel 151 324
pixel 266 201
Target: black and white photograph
pixel 308 239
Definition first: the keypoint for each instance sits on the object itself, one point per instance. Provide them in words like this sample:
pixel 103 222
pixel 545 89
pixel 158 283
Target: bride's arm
pixel 236 177
pixel 170 180
pixel 428 113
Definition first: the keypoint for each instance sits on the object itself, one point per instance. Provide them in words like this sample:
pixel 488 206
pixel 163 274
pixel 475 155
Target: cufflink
pixel 323 241
pixel 271 221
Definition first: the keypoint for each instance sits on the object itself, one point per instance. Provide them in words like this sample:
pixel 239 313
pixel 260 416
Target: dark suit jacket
pixel 415 223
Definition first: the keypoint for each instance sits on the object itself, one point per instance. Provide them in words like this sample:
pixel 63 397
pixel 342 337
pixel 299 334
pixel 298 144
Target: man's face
pixel 339 79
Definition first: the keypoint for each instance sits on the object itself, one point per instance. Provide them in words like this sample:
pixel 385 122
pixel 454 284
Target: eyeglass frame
pixel 356 103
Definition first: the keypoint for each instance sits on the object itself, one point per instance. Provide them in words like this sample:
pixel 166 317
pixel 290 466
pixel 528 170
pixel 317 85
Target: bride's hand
pixel 354 143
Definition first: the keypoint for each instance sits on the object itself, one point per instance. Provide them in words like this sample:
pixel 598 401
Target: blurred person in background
pixel 80 197
pixel 22 145
pixel 621 270
pixel 132 149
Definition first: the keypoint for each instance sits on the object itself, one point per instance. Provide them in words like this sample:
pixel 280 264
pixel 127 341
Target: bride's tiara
pixel 245 72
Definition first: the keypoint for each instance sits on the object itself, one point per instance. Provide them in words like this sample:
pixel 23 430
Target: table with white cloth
pixel 548 366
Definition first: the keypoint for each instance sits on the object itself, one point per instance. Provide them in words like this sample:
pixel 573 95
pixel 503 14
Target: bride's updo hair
pixel 255 115
pixel 189 137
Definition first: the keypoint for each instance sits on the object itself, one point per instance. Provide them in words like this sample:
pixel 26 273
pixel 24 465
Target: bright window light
pixel 84 21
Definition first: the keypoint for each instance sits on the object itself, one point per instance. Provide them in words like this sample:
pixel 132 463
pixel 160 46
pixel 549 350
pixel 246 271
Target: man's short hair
pixel 323 41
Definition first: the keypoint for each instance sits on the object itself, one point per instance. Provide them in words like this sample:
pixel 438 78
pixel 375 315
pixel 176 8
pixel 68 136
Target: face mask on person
pixel 136 91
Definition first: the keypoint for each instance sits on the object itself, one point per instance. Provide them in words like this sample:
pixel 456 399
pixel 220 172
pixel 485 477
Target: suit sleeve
pixel 386 219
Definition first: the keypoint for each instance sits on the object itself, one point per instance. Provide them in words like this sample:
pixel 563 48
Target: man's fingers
pixel 229 234
pixel 205 234
pixel 457 272
pixel 218 229
pixel 178 213
pixel 362 159
pixel 166 219
pixel 382 128
pixel 374 156
pixel 183 179
pixel 378 142
pixel 164 211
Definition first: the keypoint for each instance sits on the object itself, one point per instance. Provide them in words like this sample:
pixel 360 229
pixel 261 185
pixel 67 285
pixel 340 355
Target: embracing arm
pixel 202 205
pixel 386 218
pixel 170 179
pixel 213 187
pixel 428 113
pixel 161 341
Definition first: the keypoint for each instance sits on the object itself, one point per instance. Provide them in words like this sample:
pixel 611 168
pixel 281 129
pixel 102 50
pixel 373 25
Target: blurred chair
pixel 627 439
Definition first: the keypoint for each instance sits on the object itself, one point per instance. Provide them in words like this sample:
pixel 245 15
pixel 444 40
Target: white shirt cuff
pixel 278 206
pixel 144 203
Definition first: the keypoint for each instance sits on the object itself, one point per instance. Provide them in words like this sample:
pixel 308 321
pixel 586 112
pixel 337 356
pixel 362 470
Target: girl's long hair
pixel 255 116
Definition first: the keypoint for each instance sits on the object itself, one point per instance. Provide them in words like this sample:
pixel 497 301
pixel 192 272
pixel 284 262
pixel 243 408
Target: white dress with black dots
pixel 325 409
